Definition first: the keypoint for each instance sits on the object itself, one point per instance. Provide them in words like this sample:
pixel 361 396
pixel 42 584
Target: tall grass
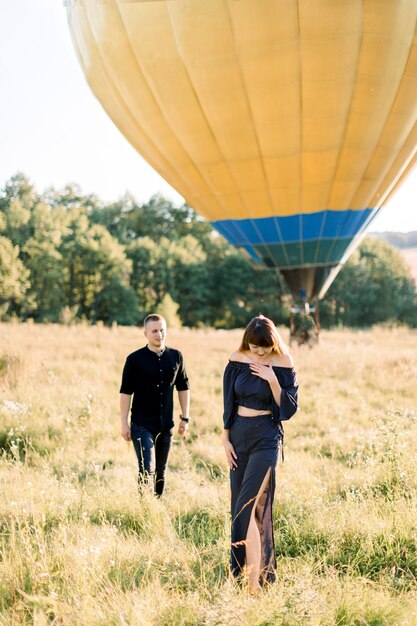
pixel 79 546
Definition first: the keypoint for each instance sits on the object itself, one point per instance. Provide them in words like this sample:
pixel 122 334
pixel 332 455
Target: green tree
pixel 47 277
pixel 14 277
pixel 374 286
pixel 158 218
pixel 17 201
pixel 45 263
pixel 117 302
pixel 239 290
pixel 95 261
pixel 191 281
pixel 169 310
pixel 117 218
pixel 175 252
pixel 152 271
pixel 71 197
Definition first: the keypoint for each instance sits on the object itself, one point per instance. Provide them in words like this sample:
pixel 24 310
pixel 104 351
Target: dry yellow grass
pixel 78 546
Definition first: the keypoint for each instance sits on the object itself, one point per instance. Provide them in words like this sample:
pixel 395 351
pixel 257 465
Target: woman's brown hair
pixel 262 332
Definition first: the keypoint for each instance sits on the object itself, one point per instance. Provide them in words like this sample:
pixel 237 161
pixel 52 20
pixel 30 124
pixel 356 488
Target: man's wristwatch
pixel 184 419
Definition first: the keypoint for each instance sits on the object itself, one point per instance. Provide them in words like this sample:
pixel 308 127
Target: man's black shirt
pixel 151 379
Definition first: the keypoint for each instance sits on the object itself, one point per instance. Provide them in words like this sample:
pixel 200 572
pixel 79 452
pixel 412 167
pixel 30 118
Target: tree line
pixel 65 256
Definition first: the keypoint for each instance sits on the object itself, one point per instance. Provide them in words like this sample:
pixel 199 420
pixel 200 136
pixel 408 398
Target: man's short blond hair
pixel 153 317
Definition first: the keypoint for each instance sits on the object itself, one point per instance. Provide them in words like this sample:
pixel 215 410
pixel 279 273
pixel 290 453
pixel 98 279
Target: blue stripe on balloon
pixel 255 256
pixel 293 228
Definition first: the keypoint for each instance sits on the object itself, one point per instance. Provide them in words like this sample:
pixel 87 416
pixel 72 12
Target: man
pixel 149 375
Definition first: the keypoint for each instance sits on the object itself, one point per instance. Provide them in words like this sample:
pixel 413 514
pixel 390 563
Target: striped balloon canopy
pixel 285 123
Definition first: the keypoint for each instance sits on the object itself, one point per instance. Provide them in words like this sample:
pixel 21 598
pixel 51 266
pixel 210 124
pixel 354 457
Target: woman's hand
pixel 263 371
pixel 231 455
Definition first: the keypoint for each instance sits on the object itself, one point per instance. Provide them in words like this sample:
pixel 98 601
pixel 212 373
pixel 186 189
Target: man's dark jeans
pixel 152 450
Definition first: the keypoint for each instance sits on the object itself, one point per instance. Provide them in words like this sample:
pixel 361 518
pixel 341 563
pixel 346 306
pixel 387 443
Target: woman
pixel 260 391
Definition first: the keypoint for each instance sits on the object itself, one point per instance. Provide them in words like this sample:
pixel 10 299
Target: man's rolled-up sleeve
pixel 181 381
pixel 127 385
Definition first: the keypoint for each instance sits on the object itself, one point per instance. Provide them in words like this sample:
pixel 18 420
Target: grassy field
pixel 79 547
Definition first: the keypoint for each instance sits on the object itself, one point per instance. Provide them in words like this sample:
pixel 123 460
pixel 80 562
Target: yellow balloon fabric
pixel 286 123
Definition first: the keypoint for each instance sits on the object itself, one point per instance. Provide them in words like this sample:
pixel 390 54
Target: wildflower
pixel 16 409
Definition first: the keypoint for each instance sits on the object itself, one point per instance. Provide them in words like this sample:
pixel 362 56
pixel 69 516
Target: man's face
pixel 155 333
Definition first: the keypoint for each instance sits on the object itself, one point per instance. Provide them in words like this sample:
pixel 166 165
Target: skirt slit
pixel 252 495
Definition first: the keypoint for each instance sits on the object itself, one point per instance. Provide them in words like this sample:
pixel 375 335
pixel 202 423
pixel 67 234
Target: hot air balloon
pixel 285 123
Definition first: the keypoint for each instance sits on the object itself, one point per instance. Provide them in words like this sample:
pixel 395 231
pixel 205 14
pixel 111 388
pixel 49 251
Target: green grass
pixel 79 546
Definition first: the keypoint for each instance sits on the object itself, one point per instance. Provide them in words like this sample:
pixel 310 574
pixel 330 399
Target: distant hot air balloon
pixel 286 123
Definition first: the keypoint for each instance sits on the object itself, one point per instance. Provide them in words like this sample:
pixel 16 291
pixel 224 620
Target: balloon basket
pixel 304 324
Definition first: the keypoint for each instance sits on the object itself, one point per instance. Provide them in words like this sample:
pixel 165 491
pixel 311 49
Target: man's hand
pixel 182 428
pixel 125 432
pixel 124 416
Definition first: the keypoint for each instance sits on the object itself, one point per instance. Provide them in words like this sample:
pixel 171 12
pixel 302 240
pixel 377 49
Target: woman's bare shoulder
pixel 238 356
pixel 283 360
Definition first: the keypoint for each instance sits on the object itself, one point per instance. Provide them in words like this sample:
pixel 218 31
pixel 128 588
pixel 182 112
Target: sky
pixel 54 130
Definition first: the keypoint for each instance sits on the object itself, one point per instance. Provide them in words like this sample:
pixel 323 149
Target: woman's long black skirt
pixel 256 441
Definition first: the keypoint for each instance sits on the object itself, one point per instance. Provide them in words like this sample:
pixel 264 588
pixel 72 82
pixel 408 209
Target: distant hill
pixel 399 240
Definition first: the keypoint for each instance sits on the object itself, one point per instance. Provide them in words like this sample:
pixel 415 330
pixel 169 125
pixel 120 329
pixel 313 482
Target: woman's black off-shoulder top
pixel 242 388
